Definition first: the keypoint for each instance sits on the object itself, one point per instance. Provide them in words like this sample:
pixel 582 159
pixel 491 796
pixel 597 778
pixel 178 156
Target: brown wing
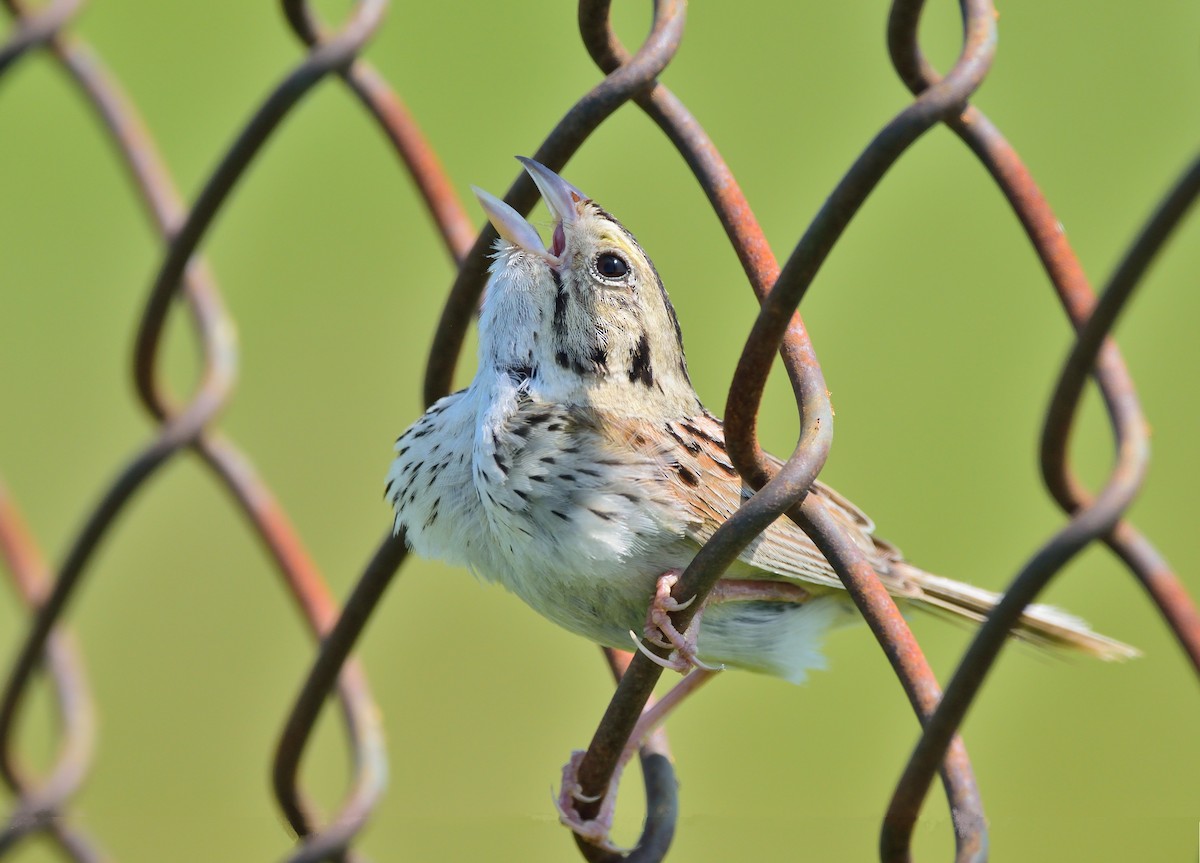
pixel 694 462
pixel 695 465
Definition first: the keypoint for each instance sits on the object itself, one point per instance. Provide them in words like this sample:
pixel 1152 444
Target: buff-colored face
pixel 604 323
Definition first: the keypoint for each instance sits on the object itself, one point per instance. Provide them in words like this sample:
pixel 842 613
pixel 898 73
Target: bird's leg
pixel 757 590
pixel 661 631
pixel 596 830
pixel 592 830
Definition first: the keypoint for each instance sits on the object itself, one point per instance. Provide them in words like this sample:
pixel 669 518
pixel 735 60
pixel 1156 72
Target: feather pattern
pixel 701 473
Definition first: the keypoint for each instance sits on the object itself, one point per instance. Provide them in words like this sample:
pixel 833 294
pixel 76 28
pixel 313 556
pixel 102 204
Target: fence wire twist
pixel 42 801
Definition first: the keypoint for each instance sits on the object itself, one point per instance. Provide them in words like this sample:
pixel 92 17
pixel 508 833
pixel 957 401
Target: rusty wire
pixel 42 803
pixel 187 426
pixel 39 801
pixel 1092 518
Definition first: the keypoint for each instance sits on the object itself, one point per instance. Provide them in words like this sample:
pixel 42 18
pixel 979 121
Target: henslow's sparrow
pixel 579 468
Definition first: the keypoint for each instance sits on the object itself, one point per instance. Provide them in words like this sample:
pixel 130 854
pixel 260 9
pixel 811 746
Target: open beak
pixel 512 226
pixel 560 197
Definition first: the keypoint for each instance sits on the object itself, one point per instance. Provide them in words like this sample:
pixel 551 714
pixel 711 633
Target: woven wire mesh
pixel 191 422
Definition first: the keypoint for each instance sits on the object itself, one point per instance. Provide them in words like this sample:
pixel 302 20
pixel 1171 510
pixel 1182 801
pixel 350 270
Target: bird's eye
pixel 611 266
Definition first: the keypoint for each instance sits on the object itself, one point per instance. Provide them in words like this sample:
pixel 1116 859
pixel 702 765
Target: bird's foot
pixel 661 631
pixel 592 830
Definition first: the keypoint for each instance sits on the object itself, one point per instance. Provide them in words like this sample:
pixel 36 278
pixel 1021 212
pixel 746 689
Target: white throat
pixel 513 313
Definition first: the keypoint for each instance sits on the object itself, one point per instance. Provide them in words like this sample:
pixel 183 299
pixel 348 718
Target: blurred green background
pixel 937 330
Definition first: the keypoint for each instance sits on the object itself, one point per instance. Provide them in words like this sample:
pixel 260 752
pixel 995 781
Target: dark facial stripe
pixel 593 361
pixel 602 213
pixel 639 363
pixel 560 304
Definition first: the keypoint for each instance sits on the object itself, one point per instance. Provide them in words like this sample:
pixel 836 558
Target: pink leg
pixel 596 830
pixel 662 632
pixel 757 590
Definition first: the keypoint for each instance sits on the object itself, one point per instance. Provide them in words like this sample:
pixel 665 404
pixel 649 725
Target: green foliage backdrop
pixel 939 336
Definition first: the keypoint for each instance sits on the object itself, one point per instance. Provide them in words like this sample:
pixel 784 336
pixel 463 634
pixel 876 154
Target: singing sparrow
pixel 579 468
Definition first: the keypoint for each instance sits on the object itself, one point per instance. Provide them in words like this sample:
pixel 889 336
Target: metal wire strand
pixel 1093 350
pixel 662 791
pixel 402 131
pixel 329 667
pixel 1163 586
pixel 40 802
pixel 1099 518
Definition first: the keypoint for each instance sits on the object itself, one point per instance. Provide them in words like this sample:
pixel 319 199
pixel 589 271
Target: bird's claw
pixel 661 632
pixel 663 600
pixel 594 831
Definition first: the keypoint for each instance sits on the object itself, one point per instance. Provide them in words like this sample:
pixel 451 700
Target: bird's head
pixel 588 316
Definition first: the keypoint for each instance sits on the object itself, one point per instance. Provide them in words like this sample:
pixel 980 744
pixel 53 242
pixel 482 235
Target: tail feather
pixel 1040 625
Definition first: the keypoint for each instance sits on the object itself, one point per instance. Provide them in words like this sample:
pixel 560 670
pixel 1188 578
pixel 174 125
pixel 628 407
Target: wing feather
pixel 696 468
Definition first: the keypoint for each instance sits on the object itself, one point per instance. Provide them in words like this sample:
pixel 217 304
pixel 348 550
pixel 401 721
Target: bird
pixel 580 470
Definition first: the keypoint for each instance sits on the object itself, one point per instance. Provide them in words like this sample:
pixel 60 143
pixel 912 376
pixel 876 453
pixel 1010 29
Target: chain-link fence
pixel 43 798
